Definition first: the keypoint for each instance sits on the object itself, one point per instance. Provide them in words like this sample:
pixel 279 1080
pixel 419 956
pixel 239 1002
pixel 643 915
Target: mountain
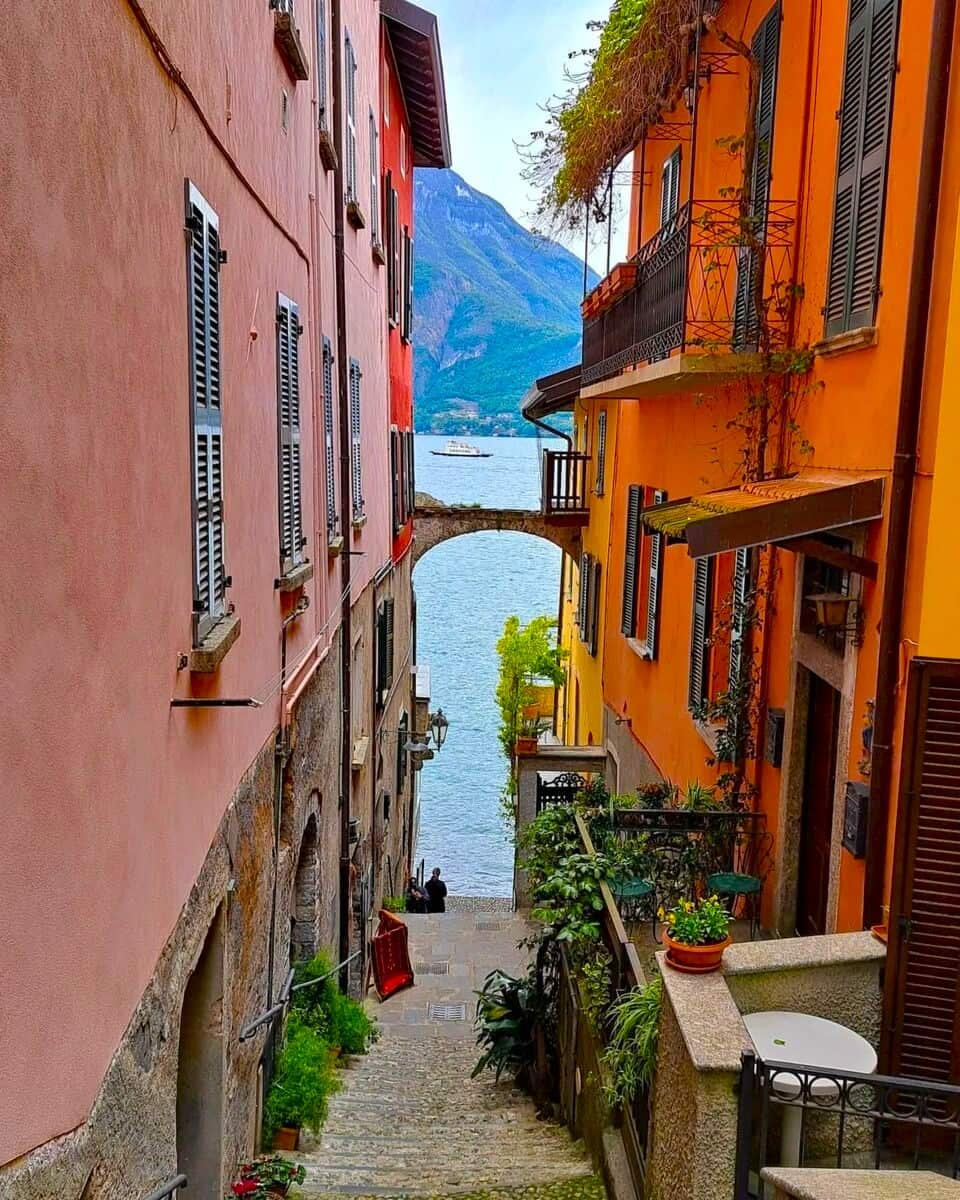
pixel 495 307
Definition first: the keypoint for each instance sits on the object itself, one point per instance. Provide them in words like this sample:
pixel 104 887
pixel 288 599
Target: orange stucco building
pixel 753 447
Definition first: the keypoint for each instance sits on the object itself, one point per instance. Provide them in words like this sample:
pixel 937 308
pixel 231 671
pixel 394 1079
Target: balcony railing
pixel 693 290
pixel 565 483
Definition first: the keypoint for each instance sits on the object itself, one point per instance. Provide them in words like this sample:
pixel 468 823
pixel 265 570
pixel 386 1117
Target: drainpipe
pixel 905 455
pixel 346 614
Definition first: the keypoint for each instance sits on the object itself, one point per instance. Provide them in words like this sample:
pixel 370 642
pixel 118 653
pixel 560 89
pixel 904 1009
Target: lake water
pixel 466 588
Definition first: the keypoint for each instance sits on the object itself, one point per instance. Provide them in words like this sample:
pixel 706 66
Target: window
pixel 374 181
pixel 853 281
pixel 670 187
pixel 396 471
pixel 350 81
pixel 601 452
pixel 588 616
pixel 409 474
pixel 403 151
pixel 642 572
pixel 329 459
pixel 386 93
pixel 699 676
pixel 288 422
pixel 322 64
pixel 394 250
pixel 406 324
pixel 384 651
pixel 204 258
pixel 741 603
pixel 356 461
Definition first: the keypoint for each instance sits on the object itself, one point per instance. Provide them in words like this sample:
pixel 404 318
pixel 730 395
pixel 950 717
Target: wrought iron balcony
pixel 690 289
pixel 565 486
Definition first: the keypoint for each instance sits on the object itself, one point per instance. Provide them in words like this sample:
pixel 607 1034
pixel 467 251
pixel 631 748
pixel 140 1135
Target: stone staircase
pixel 410 1121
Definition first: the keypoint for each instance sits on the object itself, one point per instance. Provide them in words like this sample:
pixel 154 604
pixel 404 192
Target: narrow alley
pixel 410 1119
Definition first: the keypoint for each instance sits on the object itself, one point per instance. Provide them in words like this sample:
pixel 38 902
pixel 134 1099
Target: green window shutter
pixel 406 327
pixel 288 405
pixel 350 83
pixel 410 476
pixel 670 187
pixel 628 623
pixel 593 612
pixel 329 458
pixel 865 112
pixel 322 64
pixel 374 180
pixel 356 458
pixel 402 752
pixel 766 49
pixel 739 609
pixel 381 650
pixel 601 452
pixel 395 481
pixel 699 633
pixel 203 291
pixel 388 620
pixel 397 254
pixel 654 586
pixel 583 596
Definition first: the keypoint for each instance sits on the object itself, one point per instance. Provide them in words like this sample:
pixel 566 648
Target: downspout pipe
pixel 905 454
pixel 343 412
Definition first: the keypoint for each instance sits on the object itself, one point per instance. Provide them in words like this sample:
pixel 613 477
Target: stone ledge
pixel 806 1183
pixel 709 1020
pixel 206 658
pixel 295 578
pixel 842 343
pixel 334 546
pixel 798 953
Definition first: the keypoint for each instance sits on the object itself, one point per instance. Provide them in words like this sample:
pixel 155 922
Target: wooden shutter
pixel 738 614
pixel 388 620
pixel 601 452
pixel 389 202
pixel 593 609
pixel 397 251
pixel 322 64
pixel 402 733
pixel 700 630
pixel 410 473
pixel 406 328
pixel 329 458
pixel 670 187
pixel 356 460
pixel 766 49
pixel 351 114
pixel 583 596
pixel 395 480
pixel 628 623
pixel 288 406
pixel 374 181
pixel 854 276
pixel 203 290
pixel 654 585
pixel 380 674
pixel 924 961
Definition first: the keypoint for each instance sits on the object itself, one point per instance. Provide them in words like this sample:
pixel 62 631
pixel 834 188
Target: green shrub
pixel 631 1053
pixel 395 904
pixel 350 1027
pixel 506 1022
pixel 304 1080
pixel 338 1019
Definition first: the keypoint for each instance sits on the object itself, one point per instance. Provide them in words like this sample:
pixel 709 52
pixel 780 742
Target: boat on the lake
pixel 455 449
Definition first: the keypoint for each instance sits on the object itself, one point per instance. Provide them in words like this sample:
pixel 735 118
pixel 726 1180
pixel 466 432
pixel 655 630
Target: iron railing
pixel 847 1120
pixel 563 789
pixel 695 286
pixel 565 483
pixel 170 1188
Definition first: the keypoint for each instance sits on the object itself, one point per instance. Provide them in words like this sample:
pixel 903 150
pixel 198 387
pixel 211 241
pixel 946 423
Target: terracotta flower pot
pixel 526 745
pixel 696 960
pixel 286 1138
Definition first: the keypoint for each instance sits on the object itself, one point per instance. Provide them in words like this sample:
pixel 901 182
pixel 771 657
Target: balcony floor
pixel 680 373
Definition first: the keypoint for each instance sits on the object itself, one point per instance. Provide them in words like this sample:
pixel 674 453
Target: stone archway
pixel 304 908
pixel 435 523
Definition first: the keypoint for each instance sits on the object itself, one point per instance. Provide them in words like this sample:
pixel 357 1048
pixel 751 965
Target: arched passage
pixel 200 1071
pixel 304 909
pixel 435 523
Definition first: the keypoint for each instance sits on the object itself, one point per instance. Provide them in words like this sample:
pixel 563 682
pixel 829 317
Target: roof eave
pixel 424 92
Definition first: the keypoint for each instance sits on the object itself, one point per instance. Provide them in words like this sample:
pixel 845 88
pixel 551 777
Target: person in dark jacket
pixel 436 891
pixel 417 899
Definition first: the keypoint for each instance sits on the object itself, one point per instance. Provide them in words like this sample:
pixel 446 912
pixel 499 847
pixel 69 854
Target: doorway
pixel 200 1071
pixel 816 822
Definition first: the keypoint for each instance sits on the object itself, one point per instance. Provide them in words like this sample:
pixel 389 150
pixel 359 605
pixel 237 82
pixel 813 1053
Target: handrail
pixel 289 987
pixel 611 911
pixel 167 1189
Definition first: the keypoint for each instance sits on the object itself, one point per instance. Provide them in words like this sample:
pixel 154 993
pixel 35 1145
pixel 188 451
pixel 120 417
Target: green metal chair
pixel 631 894
pixel 732 885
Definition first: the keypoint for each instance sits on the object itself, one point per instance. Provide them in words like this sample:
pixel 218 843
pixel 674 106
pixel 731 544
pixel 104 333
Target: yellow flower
pixel 660 913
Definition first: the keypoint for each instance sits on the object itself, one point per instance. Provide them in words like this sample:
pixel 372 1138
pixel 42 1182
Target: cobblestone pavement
pixel 502 904
pixel 587 1187
pixel 410 1121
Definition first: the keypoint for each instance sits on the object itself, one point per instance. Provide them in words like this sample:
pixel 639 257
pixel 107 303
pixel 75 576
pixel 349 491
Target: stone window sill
pixel 328 153
pixel 287 36
pixel 207 657
pixel 640 649
pixel 359 522
pixel 334 546
pixel 708 734
pixel 844 343
pixel 379 254
pixel 295 578
pixel 355 215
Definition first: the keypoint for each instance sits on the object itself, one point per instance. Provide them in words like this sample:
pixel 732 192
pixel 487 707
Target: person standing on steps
pixel 437 891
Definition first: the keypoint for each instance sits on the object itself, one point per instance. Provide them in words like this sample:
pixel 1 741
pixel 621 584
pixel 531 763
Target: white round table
pixel 791 1037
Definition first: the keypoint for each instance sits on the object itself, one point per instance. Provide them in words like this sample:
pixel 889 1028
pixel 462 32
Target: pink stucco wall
pixel 110 797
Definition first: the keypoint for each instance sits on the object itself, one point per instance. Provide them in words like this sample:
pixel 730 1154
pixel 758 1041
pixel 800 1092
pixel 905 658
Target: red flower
pixel 245 1187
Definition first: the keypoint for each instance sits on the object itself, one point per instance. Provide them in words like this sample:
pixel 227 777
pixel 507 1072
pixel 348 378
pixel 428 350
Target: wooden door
pixel 920 1003
pixel 819 788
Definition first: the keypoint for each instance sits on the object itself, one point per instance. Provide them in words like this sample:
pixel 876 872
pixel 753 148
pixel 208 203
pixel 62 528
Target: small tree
pixel 527 652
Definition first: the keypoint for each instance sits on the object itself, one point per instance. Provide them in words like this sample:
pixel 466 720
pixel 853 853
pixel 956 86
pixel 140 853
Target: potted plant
pixel 305 1079
pixel 696 935
pixel 273 1174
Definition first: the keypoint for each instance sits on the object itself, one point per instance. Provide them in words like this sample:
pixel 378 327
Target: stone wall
pixel 129 1143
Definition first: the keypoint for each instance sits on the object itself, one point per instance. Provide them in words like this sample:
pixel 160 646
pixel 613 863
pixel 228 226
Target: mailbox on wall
pixel 855 811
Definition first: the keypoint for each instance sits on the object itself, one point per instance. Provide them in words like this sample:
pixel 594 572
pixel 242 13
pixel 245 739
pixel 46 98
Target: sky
pixel 501 60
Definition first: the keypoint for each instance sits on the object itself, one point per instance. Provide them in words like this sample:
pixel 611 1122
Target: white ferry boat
pixel 455 449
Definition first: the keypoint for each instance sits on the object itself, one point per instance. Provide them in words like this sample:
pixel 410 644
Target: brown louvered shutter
pixel 381 651
pixel 396 253
pixel 388 620
pixel 924 950
pixel 766 50
pixel 288 406
pixel 356 456
pixel 865 109
pixel 601 453
pixel 700 628
pixel 583 598
pixel 389 222
pixel 329 458
pixel 410 473
pixel 654 586
pixel 395 480
pixel 593 608
pixel 203 284
pixel 628 622
pixel 402 752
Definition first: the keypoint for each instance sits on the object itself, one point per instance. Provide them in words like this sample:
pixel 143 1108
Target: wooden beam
pixel 830 554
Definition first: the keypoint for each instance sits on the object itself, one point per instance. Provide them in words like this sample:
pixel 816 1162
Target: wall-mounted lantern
pixel 837 613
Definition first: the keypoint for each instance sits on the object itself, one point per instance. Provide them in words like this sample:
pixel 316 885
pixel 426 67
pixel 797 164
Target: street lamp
pixel 438 727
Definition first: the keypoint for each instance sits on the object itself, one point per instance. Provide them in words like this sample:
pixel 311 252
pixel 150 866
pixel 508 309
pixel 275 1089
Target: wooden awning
pixel 416 49
pixel 552 394
pixel 812 501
